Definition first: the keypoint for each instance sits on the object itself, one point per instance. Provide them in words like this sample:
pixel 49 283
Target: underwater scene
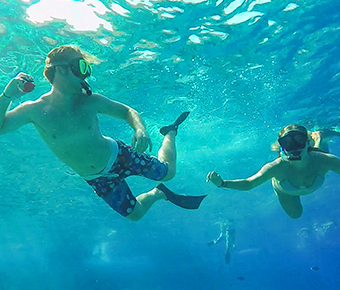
pixel 244 69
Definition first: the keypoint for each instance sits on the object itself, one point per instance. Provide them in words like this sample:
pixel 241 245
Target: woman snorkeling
pixel 300 168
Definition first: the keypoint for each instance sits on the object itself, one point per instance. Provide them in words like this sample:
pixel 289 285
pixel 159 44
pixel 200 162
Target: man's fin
pixel 185 201
pixel 173 127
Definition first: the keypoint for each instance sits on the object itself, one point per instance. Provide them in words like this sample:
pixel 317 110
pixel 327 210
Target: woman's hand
pixel 215 178
pixel 141 141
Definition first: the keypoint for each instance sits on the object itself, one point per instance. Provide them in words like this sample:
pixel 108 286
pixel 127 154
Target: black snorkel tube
pixel 290 155
pixel 86 87
pixel 294 155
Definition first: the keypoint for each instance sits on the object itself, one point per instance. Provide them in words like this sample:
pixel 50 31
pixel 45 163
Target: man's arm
pixel 10 121
pixel 16 118
pixel 141 140
pixel 265 173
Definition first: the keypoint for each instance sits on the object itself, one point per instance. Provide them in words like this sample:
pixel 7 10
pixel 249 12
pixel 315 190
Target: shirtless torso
pixel 71 131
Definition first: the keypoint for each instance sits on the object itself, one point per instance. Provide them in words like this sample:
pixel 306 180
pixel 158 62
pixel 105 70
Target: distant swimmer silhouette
pixel 300 168
pixel 227 234
pixel 66 118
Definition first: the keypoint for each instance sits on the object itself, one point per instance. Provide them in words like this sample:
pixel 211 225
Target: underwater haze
pixel 244 69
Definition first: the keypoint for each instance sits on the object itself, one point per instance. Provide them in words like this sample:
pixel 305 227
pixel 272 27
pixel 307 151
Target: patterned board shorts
pixel 113 188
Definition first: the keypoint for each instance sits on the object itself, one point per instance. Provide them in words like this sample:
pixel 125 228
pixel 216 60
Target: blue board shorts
pixel 111 185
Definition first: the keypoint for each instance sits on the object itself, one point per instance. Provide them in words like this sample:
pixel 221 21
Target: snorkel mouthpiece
pixel 294 156
pixel 86 87
pixel 290 156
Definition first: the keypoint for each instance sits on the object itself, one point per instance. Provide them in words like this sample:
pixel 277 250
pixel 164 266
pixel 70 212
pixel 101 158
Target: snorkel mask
pixel 82 69
pixel 291 145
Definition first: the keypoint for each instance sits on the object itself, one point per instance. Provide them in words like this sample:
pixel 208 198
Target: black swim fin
pixel 185 201
pixel 173 127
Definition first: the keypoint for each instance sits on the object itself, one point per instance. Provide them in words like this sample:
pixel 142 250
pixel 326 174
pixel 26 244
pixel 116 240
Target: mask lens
pixel 85 68
pixel 81 68
pixel 294 140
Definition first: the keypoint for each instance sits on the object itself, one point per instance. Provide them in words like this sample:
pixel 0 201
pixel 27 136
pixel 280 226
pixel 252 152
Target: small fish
pixel 315 268
pixel 240 278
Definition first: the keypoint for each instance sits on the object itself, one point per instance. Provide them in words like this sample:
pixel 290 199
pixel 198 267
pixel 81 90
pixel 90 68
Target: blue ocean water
pixel 244 69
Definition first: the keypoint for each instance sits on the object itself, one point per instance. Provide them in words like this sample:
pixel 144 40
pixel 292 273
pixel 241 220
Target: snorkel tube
pixel 290 155
pixel 86 87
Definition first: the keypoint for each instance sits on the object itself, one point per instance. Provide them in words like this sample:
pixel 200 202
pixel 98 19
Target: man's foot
pixel 322 136
pixel 173 127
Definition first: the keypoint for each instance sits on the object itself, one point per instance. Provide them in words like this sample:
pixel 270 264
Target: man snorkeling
pixel 300 168
pixel 67 120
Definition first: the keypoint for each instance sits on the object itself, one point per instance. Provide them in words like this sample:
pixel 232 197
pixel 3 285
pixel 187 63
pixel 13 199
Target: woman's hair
pixel 64 54
pixel 292 127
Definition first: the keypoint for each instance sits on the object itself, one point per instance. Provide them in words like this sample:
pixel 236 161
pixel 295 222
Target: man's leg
pixel 144 202
pixel 322 137
pixel 167 154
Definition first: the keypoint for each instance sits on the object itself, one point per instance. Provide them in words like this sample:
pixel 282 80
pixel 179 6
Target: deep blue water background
pixel 57 234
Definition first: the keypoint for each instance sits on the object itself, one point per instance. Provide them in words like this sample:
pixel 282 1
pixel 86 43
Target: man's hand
pixel 18 86
pixel 141 141
pixel 215 178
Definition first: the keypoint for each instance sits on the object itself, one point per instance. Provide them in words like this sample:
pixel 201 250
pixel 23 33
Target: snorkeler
pixel 67 120
pixel 227 234
pixel 300 168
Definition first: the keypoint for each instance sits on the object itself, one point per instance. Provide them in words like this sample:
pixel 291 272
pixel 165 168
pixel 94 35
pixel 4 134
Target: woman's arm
pixel 332 162
pixel 264 174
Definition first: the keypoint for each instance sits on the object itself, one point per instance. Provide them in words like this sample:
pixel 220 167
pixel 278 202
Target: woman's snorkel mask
pixel 291 145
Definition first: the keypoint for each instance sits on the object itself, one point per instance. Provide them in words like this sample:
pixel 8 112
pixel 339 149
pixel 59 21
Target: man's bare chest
pixel 56 124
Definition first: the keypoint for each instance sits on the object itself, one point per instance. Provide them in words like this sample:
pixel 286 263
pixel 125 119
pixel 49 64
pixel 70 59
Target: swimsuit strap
pixel 315 149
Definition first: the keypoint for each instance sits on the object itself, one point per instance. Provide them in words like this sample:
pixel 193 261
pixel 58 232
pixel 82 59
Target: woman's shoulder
pixel 324 160
pixel 277 167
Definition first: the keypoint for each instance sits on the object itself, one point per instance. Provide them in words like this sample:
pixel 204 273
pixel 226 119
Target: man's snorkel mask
pixel 291 145
pixel 81 69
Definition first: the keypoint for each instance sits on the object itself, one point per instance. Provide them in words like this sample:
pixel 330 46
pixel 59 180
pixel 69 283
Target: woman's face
pixel 292 144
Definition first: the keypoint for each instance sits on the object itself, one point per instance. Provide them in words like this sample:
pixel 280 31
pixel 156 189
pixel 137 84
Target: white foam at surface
pixel 243 17
pixel 194 39
pixel 216 17
pixel 257 2
pixel 219 2
pixel 167 15
pixel 48 10
pixel 232 6
pixel 291 6
pixel 119 10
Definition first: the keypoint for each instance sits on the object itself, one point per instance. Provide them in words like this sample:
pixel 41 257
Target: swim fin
pixel 185 201
pixel 227 256
pixel 173 127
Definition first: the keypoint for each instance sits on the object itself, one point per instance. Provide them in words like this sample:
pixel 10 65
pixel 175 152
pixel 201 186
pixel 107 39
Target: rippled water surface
pixel 244 69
